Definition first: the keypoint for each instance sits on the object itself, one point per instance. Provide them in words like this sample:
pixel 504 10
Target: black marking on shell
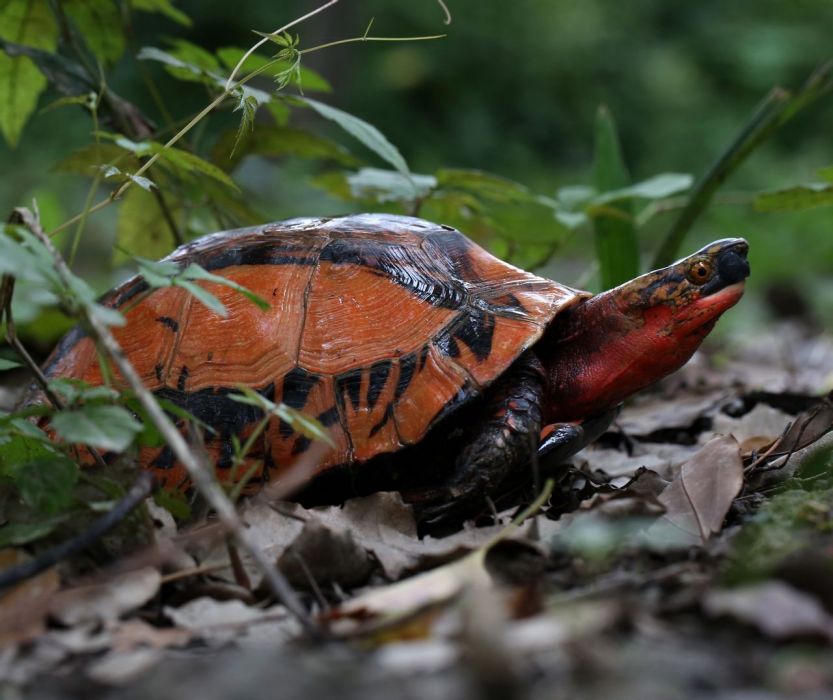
pixel 66 344
pixel 377 379
pixel 349 382
pixel 297 384
pixel 423 356
pixel 388 414
pixel 302 444
pixel 407 367
pixel 165 459
pixel 446 344
pixel 475 328
pixel 168 322
pixel 328 417
pixel 183 377
pixel 157 370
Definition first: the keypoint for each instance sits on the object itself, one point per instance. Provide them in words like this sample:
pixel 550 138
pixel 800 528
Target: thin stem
pixel 199 473
pixel 138 492
pixel 356 39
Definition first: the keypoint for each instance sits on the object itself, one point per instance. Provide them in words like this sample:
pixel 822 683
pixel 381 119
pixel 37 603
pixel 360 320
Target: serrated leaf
pixel 164 7
pixel 184 161
pixel 99 23
pixel 483 185
pixel 63 74
pixel 86 160
pixel 617 247
pixel 366 133
pixel 141 228
pixel 105 427
pixel 310 80
pixel 807 196
pixel 31 23
pixel 277 141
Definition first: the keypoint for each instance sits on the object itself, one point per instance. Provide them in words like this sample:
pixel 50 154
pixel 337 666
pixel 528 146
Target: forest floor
pixel 688 554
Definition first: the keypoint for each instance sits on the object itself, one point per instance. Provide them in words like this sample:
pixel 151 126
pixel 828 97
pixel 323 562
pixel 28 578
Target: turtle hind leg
pixel 504 439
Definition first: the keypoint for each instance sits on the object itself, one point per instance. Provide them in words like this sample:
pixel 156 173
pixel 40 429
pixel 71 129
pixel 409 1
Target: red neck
pixel 600 355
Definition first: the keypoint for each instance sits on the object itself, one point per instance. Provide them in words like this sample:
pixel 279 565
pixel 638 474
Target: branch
pixel 138 492
pixel 199 473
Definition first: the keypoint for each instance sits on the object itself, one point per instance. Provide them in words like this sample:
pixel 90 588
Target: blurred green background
pixel 513 89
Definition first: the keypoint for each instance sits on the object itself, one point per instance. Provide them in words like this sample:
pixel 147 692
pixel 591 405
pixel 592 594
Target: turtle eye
pixel 700 272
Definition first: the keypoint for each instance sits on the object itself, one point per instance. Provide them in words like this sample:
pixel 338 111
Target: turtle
pixel 435 367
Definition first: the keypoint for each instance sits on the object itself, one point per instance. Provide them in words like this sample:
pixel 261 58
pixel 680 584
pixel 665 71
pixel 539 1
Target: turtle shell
pixel 379 326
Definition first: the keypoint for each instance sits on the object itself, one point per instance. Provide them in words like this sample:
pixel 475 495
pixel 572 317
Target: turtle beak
pixel 732 265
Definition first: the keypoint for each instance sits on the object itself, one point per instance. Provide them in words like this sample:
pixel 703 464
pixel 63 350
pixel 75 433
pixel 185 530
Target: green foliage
pixel 99 23
pixel 169 274
pixel 617 248
pixel 31 23
pixel 104 427
pixel 367 134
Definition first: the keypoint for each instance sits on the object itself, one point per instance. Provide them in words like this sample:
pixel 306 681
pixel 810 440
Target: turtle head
pixel 629 337
pixel 687 297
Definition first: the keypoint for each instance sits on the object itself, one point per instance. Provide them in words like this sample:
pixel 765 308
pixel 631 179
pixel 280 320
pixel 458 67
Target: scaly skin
pixel 625 339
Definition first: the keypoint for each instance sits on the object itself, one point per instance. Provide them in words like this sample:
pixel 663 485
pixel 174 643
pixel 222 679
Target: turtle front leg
pixel 504 439
pixel 560 441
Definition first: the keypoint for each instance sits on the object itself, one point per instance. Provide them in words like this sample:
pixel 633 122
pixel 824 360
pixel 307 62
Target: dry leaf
pixel 219 622
pixel 778 610
pixel 23 608
pixel 122 667
pixel 697 501
pixel 106 602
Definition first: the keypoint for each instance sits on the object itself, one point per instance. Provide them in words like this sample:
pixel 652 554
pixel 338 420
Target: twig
pixel 200 475
pixel 138 492
pixel 168 216
pixel 278 31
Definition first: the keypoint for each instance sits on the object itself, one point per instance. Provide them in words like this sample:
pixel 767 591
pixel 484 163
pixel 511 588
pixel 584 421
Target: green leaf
pixel 105 427
pixel 366 133
pixel 8 364
pixel 310 80
pixel 89 159
pixel 19 534
pixel 617 248
pixel 657 187
pixel 381 186
pixel 203 296
pixel 141 228
pixel 300 422
pixel 164 7
pixel 483 185
pixel 64 74
pixel 827 173
pixel 174 502
pixel 31 23
pixel 43 476
pixel 807 196
pixel 99 23
pixel 195 272
pixel 277 141
pixel 183 161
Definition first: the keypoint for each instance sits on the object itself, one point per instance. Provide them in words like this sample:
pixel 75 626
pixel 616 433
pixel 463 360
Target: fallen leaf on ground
pixel 23 608
pixel 107 601
pixel 697 501
pixel 753 430
pixel 218 622
pixel 778 610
